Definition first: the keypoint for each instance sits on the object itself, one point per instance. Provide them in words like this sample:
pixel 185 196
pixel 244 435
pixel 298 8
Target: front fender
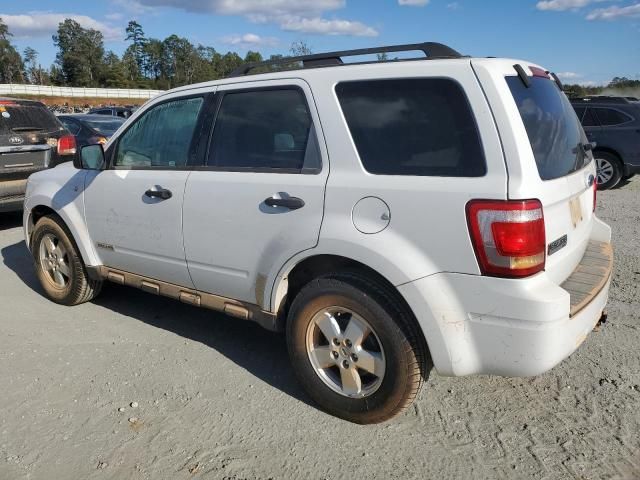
pixel 67 201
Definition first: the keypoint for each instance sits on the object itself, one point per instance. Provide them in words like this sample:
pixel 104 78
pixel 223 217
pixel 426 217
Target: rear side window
pixel 70 125
pixel 412 127
pixel 26 117
pixel 589 120
pixel 553 129
pixel 609 117
pixel 264 130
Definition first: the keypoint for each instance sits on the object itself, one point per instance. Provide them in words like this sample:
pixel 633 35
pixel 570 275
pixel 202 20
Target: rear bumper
pixel 12 195
pixel 485 325
pixel 631 169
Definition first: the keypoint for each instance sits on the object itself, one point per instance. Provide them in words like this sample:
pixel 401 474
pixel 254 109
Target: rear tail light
pixel 508 236
pixel 67 145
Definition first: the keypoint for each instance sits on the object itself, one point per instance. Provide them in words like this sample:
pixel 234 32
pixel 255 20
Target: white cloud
pixel 561 5
pixel 615 12
pixel 568 75
pixel 322 26
pixel 114 16
pixel 454 6
pixel 42 24
pixel 249 40
pixel 304 16
pixel 245 7
pixel 413 3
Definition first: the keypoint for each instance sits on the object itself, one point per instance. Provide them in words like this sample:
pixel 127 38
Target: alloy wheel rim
pixel 345 352
pixel 604 170
pixel 54 261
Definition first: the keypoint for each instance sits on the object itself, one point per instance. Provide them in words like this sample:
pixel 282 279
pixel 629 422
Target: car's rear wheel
pixel 608 170
pixel 355 348
pixel 58 264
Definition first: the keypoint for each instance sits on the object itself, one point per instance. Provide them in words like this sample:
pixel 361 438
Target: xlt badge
pixel 557 245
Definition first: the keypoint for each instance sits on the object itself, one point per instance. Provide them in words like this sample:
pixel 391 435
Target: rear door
pixel 620 131
pixel 260 198
pixel 543 142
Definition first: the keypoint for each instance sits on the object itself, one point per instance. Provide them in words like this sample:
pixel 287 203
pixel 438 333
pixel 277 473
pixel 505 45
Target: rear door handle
pixel 292 203
pixel 161 193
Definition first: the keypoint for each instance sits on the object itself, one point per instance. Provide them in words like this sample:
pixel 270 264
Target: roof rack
pixel 600 99
pixel 431 50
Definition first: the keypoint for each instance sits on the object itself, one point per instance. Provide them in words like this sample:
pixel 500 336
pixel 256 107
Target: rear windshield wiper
pixel 27 129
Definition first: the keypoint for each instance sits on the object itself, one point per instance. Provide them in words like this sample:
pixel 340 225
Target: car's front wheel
pixel 355 348
pixel 608 170
pixel 58 264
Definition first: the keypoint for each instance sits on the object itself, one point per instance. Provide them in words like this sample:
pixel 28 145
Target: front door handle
pixel 161 193
pixel 292 203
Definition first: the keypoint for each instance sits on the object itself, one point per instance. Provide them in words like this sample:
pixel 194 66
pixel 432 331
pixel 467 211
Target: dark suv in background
pixel 31 139
pixel 613 124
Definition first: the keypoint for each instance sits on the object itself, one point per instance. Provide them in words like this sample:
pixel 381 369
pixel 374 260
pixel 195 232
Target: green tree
pixel 300 48
pixel 11 65
pixel 80 54
pixel 135 34
pixel 114 72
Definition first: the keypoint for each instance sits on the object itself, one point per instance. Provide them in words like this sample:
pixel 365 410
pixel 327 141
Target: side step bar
pixel 234 308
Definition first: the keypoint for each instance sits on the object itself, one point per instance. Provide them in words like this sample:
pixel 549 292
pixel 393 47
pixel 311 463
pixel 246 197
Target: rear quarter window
pixel 419 127
pixel 610 117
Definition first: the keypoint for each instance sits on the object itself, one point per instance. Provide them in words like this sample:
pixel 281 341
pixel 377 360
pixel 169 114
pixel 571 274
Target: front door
pixel 134 208
pixel 260 199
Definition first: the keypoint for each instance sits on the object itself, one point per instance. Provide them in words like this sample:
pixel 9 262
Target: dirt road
pixel 216 397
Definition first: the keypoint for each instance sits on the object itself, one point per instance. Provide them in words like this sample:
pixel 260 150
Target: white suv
pixel 389 216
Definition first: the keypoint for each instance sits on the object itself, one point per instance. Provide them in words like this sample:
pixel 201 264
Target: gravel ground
pixel 216 397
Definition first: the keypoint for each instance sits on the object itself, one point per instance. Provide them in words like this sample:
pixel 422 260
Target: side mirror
pixel 91 158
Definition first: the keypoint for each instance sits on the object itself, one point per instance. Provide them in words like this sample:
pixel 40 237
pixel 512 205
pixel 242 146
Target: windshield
pixel 26 117
pixel 554 131
pixel 108 126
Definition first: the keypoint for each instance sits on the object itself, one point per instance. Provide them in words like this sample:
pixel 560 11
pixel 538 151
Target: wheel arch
pixel 610 151
pixel 72 219
pixel 313 266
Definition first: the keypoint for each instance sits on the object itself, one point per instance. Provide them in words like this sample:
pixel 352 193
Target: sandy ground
pixel 217 399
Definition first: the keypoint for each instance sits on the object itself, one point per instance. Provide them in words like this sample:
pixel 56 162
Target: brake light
pixel 67 145
pixel 539 72
pixel 508 236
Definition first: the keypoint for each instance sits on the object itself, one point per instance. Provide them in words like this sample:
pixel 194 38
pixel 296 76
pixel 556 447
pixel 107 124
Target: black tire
pixel 407 363
pixel 79 288
pixel 606 159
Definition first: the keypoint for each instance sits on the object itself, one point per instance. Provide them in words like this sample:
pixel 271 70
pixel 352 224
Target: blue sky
pixel 588 41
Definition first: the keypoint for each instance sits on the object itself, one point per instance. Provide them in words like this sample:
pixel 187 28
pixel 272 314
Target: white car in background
pixel 387 216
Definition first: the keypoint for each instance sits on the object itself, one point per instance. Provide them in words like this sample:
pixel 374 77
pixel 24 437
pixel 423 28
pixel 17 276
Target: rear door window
pixel 609 117
pixel 421 127
pixel 264 130
pixel 553 129
pixel 589 120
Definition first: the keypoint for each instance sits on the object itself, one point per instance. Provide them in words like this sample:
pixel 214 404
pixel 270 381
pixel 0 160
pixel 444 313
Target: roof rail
pixel 431 50
pixel 600 99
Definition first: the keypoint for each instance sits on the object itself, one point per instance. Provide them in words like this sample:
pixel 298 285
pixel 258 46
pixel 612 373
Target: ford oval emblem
pixel 15 140
pixel 590 179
